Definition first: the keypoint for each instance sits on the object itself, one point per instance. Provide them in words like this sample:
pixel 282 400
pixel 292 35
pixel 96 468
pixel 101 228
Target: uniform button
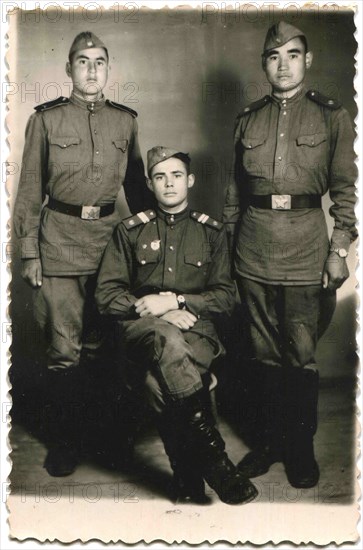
pixel 282 134
pixel 170 269
pixel 279 158
pixel 284 112
pixel 172 227
pixel 97 152
pixel 92 114
pixel 143 262
pixel 144 246
pixel 171 247
pixel 95 131
pixel 199 264
pixel 64 145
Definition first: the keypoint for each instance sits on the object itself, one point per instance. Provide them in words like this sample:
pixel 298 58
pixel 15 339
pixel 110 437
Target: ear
pixel 68 68
pixel 309 59
pixel 191 180
pixel 149 184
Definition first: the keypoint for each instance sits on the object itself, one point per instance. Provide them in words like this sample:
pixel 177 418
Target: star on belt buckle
pixel 90 212
pixel 281 202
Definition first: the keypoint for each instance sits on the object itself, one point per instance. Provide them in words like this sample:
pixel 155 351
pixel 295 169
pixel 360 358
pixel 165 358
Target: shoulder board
pixel 121 107
pixel 323 100
pixel 50 104
pixel 139 218
pixel 256 105
pixel 206 220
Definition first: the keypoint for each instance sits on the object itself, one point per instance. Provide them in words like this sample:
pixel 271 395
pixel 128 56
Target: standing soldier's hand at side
pixel 31 271
pixel 335 272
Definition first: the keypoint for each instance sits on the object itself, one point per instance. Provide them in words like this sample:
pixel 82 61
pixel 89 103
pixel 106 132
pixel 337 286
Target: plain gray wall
pixel 188 76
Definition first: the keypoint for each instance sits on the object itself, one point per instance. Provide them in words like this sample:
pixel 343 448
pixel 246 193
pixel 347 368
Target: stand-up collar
pixel 172 219
pixel 91 106
pixel 287 102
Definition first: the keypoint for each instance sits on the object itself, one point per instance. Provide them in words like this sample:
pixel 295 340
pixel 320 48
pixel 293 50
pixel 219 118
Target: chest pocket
pixel 145 255
pixel 312 140
pixel 252 142
pixel 64 141
pixel 121 144
pixel 198 260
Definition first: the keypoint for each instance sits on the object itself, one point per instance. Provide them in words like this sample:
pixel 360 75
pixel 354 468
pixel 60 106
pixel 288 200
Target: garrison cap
pixel 85 40
pixel 160 153
pixel 279 34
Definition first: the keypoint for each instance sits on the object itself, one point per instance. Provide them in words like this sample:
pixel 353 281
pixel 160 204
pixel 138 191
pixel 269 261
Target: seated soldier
pixel 165 275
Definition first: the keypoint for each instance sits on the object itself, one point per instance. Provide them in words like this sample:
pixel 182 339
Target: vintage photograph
pixel 182 187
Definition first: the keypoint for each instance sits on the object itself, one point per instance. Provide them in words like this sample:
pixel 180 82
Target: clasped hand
pixel 165 306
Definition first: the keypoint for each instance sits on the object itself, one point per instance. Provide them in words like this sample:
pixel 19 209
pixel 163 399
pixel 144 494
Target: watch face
pixel 181 302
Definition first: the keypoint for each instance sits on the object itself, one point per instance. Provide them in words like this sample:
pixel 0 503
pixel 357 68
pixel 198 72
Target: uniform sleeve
pixel 219 295
pixel 112 293
pixel 137 194
pixel 231 211
pixel 343 174
pixel 31 191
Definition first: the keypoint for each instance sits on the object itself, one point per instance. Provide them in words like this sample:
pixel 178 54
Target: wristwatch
pixel 181 302
pixel 342 253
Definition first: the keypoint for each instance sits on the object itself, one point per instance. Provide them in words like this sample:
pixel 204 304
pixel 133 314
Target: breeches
pixel 65 309
pixel 283 322
pixel 168 360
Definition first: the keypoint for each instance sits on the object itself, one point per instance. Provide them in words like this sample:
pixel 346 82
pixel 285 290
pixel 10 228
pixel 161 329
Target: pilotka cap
pixel 85 40
pixel 279 34
pixel 159 153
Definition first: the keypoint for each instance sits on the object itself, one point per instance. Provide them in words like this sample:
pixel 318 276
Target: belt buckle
pixel 281 202
pixel 90 212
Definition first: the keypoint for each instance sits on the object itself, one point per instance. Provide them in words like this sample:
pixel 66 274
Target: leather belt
pixel 84 212
pixel 285 202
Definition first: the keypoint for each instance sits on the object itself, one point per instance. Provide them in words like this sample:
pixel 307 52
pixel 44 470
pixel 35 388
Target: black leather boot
pixel 66 391
pixel 188 482
pixel 270 425
pixel 206 443
pixel 301 467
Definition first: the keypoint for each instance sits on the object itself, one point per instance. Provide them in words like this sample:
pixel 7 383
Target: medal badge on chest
pixel 155 245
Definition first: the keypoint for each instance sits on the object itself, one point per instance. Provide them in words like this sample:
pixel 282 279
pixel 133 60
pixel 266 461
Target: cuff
pixel 195 303
pixel 29 247
pixel 340 239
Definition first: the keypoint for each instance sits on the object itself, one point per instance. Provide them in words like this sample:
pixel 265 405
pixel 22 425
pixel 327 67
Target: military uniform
pixel 183 253
pixel 288 153
pixel 156 252
pixel 78 154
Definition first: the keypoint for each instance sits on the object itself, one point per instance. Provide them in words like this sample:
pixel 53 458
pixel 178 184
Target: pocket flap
pixel 252 142
pixel 121 144
pixel 312 140
pixel 197 259
pixel 146 255
pixel 64 141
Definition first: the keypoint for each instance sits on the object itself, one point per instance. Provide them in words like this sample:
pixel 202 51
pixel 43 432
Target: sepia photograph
pixel 180 272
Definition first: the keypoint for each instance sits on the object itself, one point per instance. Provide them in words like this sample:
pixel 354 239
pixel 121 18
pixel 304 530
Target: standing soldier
pixel 78 152
pixel 291 147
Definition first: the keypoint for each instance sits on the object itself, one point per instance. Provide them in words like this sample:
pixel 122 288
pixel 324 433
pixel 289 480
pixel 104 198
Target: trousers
pixel 283 322
pixel 65 309
pixel 170 361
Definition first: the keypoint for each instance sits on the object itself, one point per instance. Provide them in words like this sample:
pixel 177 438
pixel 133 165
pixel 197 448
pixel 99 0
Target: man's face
pixel 88 71
pixel 170 183
pixel 285 66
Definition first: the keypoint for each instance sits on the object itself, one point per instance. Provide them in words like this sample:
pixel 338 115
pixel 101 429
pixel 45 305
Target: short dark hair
pixel 184 157
pixel 303 41
pixel 71 56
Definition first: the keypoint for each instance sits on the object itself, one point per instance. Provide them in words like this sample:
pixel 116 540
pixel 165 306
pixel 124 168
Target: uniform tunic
pixel 297 146
pixel 184 253
pixel 79 153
